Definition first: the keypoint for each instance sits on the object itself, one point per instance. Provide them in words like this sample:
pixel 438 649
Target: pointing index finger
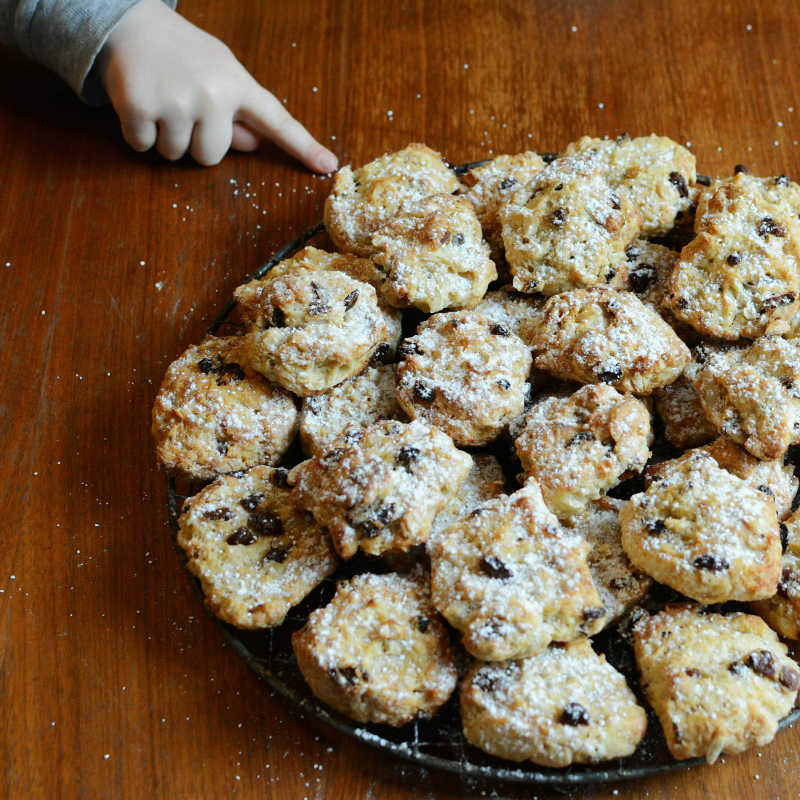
pixel 265 115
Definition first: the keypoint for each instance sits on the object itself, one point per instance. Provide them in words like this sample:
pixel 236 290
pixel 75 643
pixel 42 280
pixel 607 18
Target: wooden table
pixel 113 681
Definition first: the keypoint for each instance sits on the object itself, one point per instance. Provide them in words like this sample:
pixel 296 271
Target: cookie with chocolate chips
pixel 433 254
pixel 356 402
pixel 465 374
pixel 214 414
pixel 309 328
pixel 512 580
pixel 752 394
pixel 378 489
pixel 782 610
pixel 567 229
pixel 363 200
pixel 603 336
pixel 578 447
pixel 254 551
pixel 565 706
pixel 704 532
pixel 379 651
pixel 718 683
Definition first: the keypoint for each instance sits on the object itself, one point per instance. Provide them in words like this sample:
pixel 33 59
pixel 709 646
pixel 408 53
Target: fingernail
pixel 327 161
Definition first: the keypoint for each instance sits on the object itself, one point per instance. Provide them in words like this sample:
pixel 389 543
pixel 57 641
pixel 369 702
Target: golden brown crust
pixel 564 706
pixel 512 580
pixel 719 684
pixel 704 532
pixel 378 652
pixel 213 414
pixel 255 552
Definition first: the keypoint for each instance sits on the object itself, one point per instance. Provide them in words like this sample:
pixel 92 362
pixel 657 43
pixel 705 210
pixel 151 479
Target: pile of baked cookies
pixel 545 323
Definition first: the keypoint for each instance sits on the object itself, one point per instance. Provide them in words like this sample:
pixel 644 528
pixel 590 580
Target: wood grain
pixel 112 680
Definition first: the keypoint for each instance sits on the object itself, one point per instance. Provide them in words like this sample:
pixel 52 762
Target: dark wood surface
pixel 113 682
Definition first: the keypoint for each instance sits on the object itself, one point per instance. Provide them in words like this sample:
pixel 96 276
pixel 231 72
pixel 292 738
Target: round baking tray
pixel 439 742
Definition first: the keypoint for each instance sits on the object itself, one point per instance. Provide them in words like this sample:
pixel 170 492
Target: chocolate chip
pixel 558 187
pixel 251 502
pixel 632 252
pixel 691 672
pixel 532 287
pixel 558 217
pixel 711 562
pixel 423 623
pixel 574 714
pixel 485 682
pixel 766 490
pixel 683 304
pixel 776 301
pixel 733 259
pixel 642 277
pixel 618 583
pixel 613 199
pixel 350 300
pixel 500 330
pixel 346 675
pixel 612 374
pixel 788 576
pixel 368 530
pixel 233 370
pixel 280 477
pixel 495 568
pixel 458 239
pixel 406 456
pixel 679 182
pixel 205 365
pixel 655 526
pixel 782 180
pixel 762 662
pixel 278 319
pixel 277 554
pixel 506 183
pixel 610 274
pixel 222 447
pixel 703 180
pixel 741 168
pixel 218 513
pixel 423 392
pixel 386 514
pixel 767 226
pixel 503 383
pixel 790 678
pixel 409 348
pixel 784 537
pixel 266 523
pixel 242 536
pixel 593 613
pixel 319 305
pixel 583 436
pixel 382 354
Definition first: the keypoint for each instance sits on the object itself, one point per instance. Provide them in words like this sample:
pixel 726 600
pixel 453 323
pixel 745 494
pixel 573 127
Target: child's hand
pixel 178 88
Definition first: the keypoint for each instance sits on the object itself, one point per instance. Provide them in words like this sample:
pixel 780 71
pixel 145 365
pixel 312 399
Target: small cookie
pixel 752 395
pixel 772 478
pixel 465 374
pixel 485 481
pixel 380 487
pixel 679 408
pixel 705 533
pixel 602 336
pixel 520 313
pixel 567 229
pixel 255 552
pixel 433 254
pixel 656 173
pixel 511 580
pixel 578 447
pixel 620 585
pixel 363 200
pixel 213 414
pixel 359 402
pixel 489 186
pixel 310 328
pixel 782 611
pixel 378 652
pixel 719 684
pixel 742 271
pixel 567 705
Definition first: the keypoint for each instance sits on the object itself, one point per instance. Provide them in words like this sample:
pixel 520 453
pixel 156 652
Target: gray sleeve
pixel 64 35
